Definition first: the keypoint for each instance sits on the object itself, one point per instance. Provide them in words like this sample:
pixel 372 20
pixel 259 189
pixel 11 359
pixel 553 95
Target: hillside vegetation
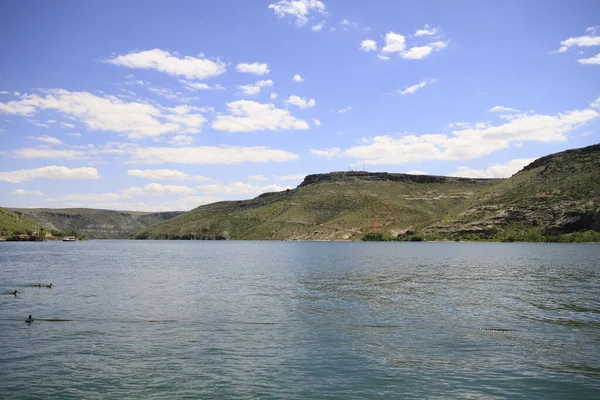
pixel 92 223
pixel 336 206
pixel 13 224
pixel 556 197
pixel 553 196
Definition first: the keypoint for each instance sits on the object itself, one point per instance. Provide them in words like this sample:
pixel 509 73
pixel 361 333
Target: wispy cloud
pixel 248 116
pixel 53 172
pixel 253 68
pixel 172 64
pixel 300 10
pixel 412 89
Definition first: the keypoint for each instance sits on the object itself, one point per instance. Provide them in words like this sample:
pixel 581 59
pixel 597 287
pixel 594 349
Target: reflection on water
pixel 300 320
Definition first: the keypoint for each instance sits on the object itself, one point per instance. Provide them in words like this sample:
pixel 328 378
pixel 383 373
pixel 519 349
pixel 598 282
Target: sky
pixel 161 105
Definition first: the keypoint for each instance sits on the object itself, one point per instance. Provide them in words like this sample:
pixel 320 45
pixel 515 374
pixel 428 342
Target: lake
pixel 298 320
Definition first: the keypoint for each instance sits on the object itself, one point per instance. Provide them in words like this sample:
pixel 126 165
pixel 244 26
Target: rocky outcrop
pixel 355 176
pixel 95 224
pixel 544 161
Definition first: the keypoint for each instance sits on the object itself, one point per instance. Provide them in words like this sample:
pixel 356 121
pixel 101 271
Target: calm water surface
pixel 297 320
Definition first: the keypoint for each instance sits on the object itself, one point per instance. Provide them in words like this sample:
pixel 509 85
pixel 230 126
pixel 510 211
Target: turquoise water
pixel 299 320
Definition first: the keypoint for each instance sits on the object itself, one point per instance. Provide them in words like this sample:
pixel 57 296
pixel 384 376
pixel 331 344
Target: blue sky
pixel 160 105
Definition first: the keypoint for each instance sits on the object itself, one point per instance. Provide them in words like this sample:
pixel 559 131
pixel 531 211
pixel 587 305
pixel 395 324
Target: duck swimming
pixel 15 293
pixel 29 320
pixel 49 286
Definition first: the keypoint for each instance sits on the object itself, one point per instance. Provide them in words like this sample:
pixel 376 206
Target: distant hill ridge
pixel 353 176
pixel 11 223
pixel 582 152
pixel 555 195
pixel 94 223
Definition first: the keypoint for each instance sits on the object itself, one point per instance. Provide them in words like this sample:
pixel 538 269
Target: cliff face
pixel 95 224
pixel 554 195
pixel 333 206
pixel 355 176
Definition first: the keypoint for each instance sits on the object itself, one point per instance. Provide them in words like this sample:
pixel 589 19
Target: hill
pixel 555 195
pixel 334 206
pixel 11 223
pixel 92 223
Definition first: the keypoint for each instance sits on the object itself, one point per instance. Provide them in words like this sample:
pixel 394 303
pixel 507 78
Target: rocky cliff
pixel 356 176
pixel 555 195
pixel 95 224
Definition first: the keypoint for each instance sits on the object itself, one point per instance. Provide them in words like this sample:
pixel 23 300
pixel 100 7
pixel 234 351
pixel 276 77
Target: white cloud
pixel 505 170
pixel 180 204
pixel 250 90
pixel 329 153
pixel 189 202
pixel 318 27
pixel 466 143
pixel 156 189
pixel 273 96
pixel 169 93
pixel 4 92
pixel 299 9
pixel 110 113
pixel 317 122
pixel 412 89
pixel 420 52
pixel 38 123
pixel 503 109
pixel 50 153
pixel 46 139
pixel 591 60
pixel 416 172
pixel 172 64
pixel 368 45
pixel 344 110
pixel 182 140
pixel 49 172
pixel 164 174
pixel 581 41
pixel 290 177
pixel 74 134
pixel 257 178
pixel 426 31
pixel 346 23
pixel 248 116
pixel 42 124
pixel 88 197
pixel 417 53
pixel 195 86
pixel 394 43
pixel 595 103
pixel 22 192
pixel 254 68
pixel 300 102
pixel 240 188
pixel 67 125
pixel 297 78
pixel 209 155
